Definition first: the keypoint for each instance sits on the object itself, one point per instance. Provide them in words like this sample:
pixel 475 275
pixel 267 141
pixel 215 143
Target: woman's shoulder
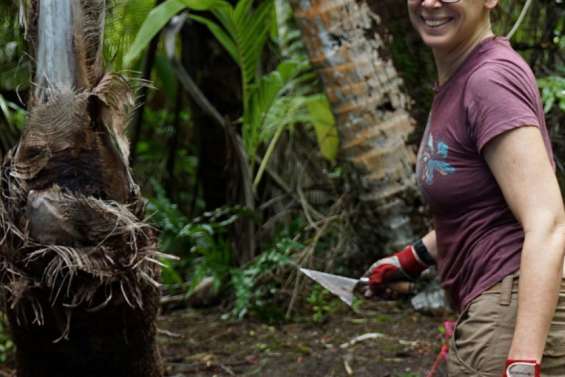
pixel 498 58
pixel 500 65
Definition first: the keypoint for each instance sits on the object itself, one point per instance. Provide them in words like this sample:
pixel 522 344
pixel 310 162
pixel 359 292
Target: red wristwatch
pixel 522 368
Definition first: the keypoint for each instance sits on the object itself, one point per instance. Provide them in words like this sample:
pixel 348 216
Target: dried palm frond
pixel 78 264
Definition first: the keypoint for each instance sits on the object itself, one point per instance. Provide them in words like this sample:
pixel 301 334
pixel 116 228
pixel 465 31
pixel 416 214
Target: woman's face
pixel 444 26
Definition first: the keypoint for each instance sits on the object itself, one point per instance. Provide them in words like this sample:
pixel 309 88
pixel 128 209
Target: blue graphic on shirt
pixel 431 158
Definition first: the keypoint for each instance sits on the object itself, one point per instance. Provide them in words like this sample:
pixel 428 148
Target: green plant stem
pixel 267 157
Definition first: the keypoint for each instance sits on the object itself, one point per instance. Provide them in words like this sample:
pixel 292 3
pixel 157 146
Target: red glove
pixel 522 368
pixel 404 265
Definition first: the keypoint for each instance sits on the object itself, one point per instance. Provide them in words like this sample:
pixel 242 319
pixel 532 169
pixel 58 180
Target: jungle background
pixel 250 171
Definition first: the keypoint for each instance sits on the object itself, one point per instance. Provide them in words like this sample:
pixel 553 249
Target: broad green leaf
pixel 204 4
pixel 167 76
pixel 155 21
pixel 242 9
pixel 324 125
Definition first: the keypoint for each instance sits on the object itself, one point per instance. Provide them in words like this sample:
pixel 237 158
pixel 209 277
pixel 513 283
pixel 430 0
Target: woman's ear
pixel 491 4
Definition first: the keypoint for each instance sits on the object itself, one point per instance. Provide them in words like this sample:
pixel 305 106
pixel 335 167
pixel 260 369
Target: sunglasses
pixel 441 1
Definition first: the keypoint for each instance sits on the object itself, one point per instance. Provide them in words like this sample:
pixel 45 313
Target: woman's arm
pixel 520 164
pixel 430 242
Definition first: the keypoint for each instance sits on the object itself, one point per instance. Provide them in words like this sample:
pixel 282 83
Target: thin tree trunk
pixel 77 263
pixel 344 39
pixel 143 93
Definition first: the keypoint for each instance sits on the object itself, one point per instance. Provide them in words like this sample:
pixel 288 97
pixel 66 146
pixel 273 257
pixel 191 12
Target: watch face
pixel 519 369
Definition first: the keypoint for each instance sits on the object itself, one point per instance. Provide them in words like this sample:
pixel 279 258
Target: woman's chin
pixel 437 42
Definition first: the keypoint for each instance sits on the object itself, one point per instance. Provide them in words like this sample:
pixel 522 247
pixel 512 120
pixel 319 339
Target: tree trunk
pixel 77 263
pixel 345 42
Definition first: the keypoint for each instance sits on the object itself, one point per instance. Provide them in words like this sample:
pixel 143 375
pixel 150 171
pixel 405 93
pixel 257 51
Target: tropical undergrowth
pixel 281 103
pixel 301 215
pixel 297 206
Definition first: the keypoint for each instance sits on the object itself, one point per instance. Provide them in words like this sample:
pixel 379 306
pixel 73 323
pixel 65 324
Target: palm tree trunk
pixel 77 264
pixel 345 42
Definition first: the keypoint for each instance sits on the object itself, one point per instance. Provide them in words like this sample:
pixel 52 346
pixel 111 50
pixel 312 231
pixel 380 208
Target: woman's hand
pixel 404 266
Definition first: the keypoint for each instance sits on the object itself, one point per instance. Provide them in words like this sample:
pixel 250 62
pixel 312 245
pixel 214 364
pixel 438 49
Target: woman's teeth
pixel 436 22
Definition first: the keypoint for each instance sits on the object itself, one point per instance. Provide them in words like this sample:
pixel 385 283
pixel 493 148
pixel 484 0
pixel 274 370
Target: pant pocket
pixel 480 343
pixel 553 363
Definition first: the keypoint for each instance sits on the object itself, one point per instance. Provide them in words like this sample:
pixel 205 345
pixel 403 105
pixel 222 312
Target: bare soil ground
pixel 387 340
pixel 402 343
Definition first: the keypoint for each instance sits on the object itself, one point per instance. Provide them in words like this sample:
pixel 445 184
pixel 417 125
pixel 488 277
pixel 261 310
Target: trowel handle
pixel 400 287
pixel 403 287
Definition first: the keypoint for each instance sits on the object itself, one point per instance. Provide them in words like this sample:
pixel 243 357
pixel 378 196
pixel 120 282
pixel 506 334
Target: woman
pixel 485 167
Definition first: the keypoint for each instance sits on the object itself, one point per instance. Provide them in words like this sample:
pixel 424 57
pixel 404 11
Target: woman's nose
pixel 431 3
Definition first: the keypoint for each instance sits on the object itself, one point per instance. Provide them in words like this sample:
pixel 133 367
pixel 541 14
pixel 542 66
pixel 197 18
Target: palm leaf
pixel 160 16
pixel 155 21
pixel 122 24
pixel 248 29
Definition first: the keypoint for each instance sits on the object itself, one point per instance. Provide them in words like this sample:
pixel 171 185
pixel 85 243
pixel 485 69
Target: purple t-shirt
pixel 479 239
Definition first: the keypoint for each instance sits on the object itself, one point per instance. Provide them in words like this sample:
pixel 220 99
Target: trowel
pixel 341 286
pixel 345 288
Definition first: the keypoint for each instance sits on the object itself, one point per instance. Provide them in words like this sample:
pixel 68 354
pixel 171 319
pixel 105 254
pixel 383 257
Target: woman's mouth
pixel 436 21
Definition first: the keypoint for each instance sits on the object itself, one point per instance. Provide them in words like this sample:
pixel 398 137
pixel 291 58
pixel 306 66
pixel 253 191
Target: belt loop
pixel 505 297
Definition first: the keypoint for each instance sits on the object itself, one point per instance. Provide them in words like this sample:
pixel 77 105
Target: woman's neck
pixel 447 62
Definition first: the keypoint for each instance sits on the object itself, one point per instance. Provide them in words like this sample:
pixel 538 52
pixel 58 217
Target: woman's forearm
pixel 540 279
pixel 430 242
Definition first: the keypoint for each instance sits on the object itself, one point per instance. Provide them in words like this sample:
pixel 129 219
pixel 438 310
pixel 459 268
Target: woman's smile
pixel 435 22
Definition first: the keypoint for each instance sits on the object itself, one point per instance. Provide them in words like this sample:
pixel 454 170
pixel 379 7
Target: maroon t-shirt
pixel 479 239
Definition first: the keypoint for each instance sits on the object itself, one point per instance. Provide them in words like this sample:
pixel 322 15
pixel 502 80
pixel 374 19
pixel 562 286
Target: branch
pixel 520 19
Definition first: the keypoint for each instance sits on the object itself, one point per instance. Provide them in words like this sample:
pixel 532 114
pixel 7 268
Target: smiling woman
pixel 485 167
pixel 451 28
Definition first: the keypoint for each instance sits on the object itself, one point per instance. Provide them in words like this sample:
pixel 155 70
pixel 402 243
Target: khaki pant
pixel 483 334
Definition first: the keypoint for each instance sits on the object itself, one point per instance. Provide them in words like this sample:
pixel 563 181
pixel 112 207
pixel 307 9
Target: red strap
pixel 515 364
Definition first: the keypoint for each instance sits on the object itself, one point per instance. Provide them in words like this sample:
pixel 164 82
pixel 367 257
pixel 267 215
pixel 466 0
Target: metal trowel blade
pixel 340 286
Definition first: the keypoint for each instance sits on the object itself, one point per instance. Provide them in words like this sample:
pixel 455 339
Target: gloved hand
pixel 522 368
pixel 403 265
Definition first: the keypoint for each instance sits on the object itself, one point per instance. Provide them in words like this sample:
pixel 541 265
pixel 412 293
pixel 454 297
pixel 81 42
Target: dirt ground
pixel 396 342
pixel 387 340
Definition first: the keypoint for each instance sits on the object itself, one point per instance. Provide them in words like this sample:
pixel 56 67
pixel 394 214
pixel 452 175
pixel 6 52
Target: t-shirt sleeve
pixel 499 97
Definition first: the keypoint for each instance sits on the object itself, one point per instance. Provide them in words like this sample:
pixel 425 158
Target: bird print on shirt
pixel 433 159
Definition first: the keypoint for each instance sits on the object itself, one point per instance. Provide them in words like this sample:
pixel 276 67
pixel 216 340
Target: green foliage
pixel 201 243
pixel 6 345
pixel 324 125
pixel 280 100
pixel 156 20
pixel 553 92
pixel 322 303
pixel 276 100
pixel 14 65
pixel 170 220
pixel 12 113
pixel 272 102
pixel 254 286
pixel 211 248
pixel 248 29
pixel 124 20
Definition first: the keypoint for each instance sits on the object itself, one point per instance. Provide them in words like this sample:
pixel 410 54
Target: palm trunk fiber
pixel 78 266
pixel 347 46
